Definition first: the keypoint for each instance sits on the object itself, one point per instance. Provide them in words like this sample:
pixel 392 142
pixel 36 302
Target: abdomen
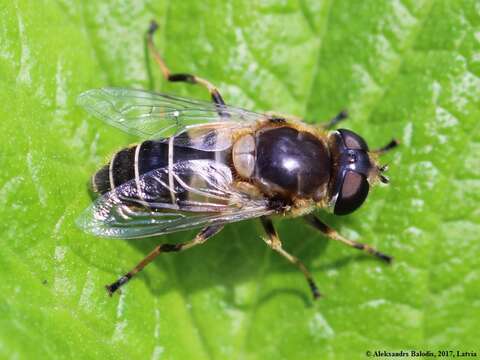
pixel 130 163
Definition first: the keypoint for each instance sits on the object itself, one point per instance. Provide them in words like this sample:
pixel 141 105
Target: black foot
pixel 313 287
pixel 117 284
pixel 153 27
pixel 387 258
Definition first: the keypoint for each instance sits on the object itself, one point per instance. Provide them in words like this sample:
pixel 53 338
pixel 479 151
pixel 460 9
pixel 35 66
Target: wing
pixel 191 194
pixel 149 114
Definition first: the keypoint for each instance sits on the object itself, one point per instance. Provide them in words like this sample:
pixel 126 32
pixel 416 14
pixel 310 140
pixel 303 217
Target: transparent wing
pixel 208 137
pixel 192 194
pixel 149 114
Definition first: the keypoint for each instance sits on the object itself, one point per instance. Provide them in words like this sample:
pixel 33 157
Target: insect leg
pixel 342 115
pixel 391 145
pixel 201 237
pixel 332 234
pixel 274 242
pixel 279 118
pixel 188 78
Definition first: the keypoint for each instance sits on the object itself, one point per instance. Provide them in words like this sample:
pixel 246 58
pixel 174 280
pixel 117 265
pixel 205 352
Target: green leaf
pixel 406 69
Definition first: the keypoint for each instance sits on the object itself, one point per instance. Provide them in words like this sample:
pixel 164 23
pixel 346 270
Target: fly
pixel 223 164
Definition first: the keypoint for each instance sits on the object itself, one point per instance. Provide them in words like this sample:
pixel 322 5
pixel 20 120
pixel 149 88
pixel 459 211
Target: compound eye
pixel 352 140
pixel 352 194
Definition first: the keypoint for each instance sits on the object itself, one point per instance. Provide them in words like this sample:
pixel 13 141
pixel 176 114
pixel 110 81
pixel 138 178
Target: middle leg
pixel 274 242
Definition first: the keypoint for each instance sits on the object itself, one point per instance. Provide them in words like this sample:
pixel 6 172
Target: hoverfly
pixel 223 164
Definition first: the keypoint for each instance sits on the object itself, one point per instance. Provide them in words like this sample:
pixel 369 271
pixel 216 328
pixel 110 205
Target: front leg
pixel 278 118
pixel 334 235
pixel 342 115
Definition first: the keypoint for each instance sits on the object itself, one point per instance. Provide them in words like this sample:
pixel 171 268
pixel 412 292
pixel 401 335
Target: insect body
pixel 221 164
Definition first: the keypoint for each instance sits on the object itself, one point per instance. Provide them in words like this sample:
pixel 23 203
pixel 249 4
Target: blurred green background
pixel 408 69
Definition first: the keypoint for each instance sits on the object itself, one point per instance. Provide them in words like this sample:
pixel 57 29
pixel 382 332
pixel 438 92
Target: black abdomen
pixel 144 157
pixel 291 162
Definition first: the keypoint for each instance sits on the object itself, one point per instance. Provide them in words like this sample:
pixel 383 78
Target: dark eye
pixel 352 140
pixel 352 194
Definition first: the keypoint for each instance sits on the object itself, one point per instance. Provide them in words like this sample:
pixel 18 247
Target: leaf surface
pixel 404 69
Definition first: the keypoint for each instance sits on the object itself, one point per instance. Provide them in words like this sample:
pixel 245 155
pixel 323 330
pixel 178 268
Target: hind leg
pixel 201 237
pixel 180 77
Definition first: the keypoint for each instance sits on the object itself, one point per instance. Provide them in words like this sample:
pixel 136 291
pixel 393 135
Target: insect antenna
pixel 383 168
